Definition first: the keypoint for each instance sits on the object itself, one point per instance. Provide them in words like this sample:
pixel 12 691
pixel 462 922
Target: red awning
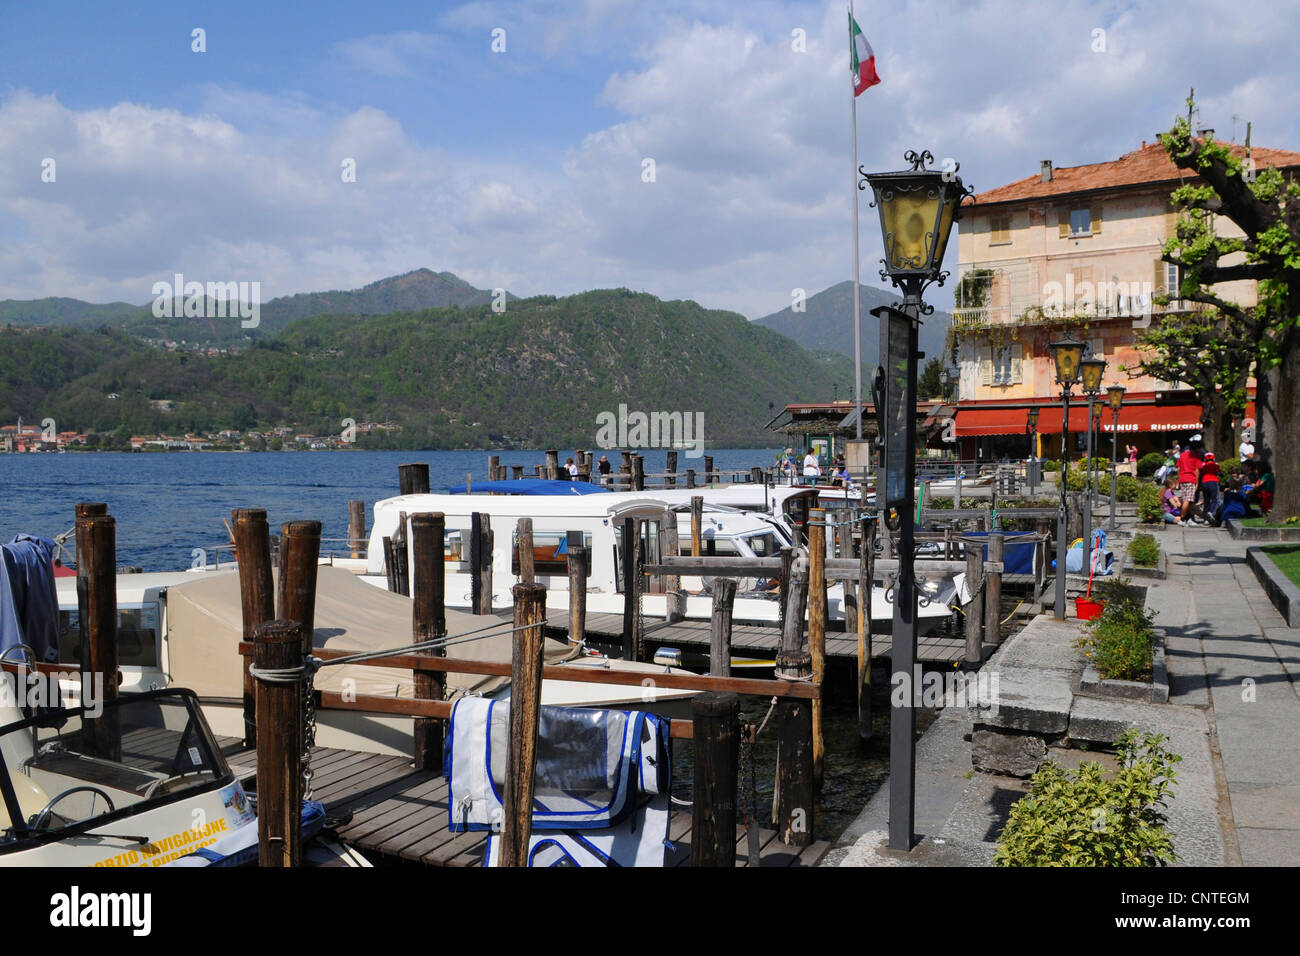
pixel 1132 418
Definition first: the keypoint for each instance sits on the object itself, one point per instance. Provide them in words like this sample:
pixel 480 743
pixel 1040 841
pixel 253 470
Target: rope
pixel 492 630
pixel 770 710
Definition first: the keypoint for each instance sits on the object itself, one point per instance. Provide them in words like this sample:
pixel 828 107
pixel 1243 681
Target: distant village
pixel 22 438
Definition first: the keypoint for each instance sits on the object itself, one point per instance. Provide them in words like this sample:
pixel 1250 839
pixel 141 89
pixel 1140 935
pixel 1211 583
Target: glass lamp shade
pixel 1092 370
pixel 1033 419
pixel 1115 396
pixel 1066 355
pixel 917 212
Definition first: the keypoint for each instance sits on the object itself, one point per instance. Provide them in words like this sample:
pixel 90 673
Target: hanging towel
pixel 32 604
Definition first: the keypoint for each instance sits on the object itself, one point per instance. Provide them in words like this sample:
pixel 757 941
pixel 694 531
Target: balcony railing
pixel 1028 314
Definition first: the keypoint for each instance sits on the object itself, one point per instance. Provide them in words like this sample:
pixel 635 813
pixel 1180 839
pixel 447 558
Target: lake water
pixel 167 504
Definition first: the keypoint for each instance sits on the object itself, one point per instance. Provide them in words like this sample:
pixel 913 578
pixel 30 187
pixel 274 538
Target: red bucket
pixel 1087 610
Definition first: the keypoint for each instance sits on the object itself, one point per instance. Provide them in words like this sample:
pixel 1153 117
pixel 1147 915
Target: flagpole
pixel 857 299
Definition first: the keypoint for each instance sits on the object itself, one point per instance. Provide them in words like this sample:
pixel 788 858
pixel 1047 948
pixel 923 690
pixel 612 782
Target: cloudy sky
pixel 525 168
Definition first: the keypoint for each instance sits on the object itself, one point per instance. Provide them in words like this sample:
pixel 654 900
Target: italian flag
pixel 863 59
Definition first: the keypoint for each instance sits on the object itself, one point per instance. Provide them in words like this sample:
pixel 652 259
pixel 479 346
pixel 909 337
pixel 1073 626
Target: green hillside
pixel 538 373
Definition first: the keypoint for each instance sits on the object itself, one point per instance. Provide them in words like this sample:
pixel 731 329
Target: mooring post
pixel 715 720
pixel 84 511
pixel 428 623
pixel 494 467
pixel 866 588
pixel 553 464
pixel 724 600
pixel 670 480
pixel 638 472
pixel 974 607
pixel 631 588
pixel 794 602
pixel 697 525
pixel 817 626
pixel 295 598
pixel 104 731
pixel 579 558
pixel 480 563
pixel 690 477
pixel 993 590
pixel 390 564
pixel 278 645
pixel 709 475
pixel 524 533
pixel 525 709
pixel 794 768
pixel 256 595
pixel 517 472
pixel 670 547
pixel 356 527
pixel 413 478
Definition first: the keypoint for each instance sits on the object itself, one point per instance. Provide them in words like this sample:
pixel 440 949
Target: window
pixel 1000 230
pixel 1001 365
pixel 1074 223
pixel 1080 222
pixel 137 636
pixel 550 553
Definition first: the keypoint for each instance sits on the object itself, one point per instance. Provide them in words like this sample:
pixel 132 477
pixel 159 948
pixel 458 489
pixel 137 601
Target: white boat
pixel 139 781
pixel 599 520
pixel 184 628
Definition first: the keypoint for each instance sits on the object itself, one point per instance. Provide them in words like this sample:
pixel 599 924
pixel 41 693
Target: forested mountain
pixel 827 323
pixel 537 373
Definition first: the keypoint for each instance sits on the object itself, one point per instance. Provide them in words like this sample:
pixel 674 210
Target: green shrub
pixel 1144 551
pixel 1085 818
pixel 1050 465
pixel 1127 488
pixel 1148 464
pixel 1230 466
pixel 1119 641
pixel 1074 481
pixel 1150 509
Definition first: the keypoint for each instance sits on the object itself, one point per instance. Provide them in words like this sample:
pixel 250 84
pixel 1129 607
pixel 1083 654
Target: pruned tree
pixel 1264 339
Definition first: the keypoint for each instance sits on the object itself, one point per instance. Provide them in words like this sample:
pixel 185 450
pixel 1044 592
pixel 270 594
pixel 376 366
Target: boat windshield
pixel 71 770
pixel 764 545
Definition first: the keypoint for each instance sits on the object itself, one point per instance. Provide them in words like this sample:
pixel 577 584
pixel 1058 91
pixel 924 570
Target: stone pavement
pixel 1233 714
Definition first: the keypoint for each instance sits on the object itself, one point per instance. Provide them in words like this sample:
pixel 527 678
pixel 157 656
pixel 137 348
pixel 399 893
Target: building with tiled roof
pixel 1074 250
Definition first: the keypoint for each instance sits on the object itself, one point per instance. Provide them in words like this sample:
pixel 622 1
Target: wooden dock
pixel 400 814
pixel 751 640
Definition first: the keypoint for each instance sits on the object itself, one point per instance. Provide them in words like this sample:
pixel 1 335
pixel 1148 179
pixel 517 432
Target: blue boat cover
pixel 601 791
pixel 29 603
pixel 1017 556
pixel 532 486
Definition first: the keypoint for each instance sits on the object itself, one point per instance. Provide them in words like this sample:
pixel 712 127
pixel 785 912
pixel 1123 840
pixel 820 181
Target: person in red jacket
pixel 1189 467
pixel 1209 481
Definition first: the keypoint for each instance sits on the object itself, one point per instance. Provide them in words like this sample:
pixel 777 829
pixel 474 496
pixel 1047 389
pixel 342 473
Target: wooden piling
pixel 866 588
pixel 295 594
pixel 709 476
pixel 553 464
pixel 579 558
pixel 697 525
pixel 671 547
pixel 690 477
pixel 756 475
pixel 975 607
pixel 993 590
pixel 525 710
pixel 428 623
pixel 494 467
pixel 279 745
pixel 724 600
pixel 817 626
pixel 631 589
pixel 794 769
pixel 413 478
pixel 795 604
pixel 517 472
pixel 524 533
pixel 486 547
pixel 103 733
pixel 670 480
pixel 256 595
pixel 715 719
pixel 638 472
pixel 356 527
pixel 84 511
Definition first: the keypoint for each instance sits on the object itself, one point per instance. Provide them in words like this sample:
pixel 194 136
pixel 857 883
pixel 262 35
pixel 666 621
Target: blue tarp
pixel 532 486
pixel 1017 557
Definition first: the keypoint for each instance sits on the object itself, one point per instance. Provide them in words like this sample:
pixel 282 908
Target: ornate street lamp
pixel 1115 399
pixel 1091 370
pixel 1031 426
pixel 917 209
pixel 1066 355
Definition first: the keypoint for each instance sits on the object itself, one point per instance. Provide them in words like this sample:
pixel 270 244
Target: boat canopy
pixel 205 626
pixel 532 486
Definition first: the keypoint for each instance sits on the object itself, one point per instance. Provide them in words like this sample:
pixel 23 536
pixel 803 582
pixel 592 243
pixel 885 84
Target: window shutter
pixel 986 364
pixel 1094 214
pixel 1016 356
pixel 1158 278
pixel 1171 224
pixel 1063 223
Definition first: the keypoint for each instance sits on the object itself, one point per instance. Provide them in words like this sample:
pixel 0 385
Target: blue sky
pixel 524 169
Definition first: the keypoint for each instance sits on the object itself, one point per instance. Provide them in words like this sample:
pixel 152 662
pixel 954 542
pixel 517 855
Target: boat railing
pixel 222 556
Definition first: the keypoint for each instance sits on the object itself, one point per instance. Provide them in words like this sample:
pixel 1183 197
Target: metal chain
pixel 309 729
pixel 748 792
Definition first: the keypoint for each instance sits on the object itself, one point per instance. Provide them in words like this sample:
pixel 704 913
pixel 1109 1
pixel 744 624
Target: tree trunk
pixel 1218 435
pixel 1282 440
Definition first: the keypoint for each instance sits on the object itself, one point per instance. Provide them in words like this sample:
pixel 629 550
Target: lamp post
pixel 1114 398
pixel 1090 370
pixel 917 209
pixel 1031 426
pixel 1065 356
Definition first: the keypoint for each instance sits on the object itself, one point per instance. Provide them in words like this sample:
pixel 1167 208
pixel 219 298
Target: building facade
pixel 1073 252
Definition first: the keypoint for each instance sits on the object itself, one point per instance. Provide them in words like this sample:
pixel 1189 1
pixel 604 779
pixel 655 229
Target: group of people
pixel 789 469
pixel 1197 492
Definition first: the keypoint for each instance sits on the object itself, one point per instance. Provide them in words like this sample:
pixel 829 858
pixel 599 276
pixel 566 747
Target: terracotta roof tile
pixel 1149 164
